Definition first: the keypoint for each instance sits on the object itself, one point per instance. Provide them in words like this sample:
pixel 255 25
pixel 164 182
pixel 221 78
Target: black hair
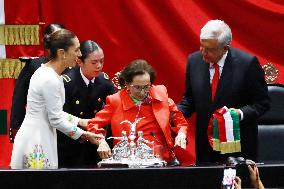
pixel 49 29
pixel 136 67
pixel 61 39
pixel 87 47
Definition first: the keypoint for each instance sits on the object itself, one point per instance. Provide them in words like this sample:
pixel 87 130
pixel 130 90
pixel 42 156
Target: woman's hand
pixel 84 123
pixel 180 140
pixel 104 150
pixel 92 137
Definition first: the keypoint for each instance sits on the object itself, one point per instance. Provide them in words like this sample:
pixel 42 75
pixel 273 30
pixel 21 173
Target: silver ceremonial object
pixel 128 153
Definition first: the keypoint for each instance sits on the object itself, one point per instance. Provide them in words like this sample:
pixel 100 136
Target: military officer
pixel 86 89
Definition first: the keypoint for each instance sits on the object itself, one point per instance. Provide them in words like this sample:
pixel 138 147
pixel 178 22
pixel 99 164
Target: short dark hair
pixel 87 47
pixel 136 67
pixel 49 29
pixel 61 39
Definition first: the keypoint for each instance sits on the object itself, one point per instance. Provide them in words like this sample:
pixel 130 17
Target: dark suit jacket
pixel 241 86
pixel 84 103
pixel 19 99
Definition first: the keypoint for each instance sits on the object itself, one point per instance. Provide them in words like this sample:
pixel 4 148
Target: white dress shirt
pixel 85 79
pixel 221 63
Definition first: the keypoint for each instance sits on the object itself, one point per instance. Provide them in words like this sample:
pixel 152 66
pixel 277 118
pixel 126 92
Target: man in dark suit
pixel 19 99
pixel 238 84
pixel 86 89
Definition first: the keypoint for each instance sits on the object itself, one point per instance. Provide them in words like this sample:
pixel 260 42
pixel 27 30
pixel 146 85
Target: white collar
pixel 221 62
pixel 85 79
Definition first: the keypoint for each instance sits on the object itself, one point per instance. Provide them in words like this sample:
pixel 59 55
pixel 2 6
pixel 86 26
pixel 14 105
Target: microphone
pixel 153 135
pixel 173 159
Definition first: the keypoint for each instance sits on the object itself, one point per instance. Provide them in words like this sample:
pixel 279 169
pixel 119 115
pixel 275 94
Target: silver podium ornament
pixel 121 149
pixel 143 151
pixel 128 153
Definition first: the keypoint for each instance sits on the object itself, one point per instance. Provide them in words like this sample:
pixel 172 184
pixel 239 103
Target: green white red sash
pixel 224 131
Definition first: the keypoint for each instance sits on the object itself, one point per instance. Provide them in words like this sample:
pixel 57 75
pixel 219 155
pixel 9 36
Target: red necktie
pixel 215 80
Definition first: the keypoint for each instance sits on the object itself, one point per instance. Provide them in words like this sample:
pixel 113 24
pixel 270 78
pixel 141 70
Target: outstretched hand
pixel 180 140
pixel 84 123
pixel 104 150
pixel 92 137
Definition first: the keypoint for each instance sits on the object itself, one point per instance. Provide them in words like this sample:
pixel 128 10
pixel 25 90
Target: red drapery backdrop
pixel 162 32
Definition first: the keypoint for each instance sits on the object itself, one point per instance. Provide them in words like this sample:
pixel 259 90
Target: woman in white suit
pixel 35 145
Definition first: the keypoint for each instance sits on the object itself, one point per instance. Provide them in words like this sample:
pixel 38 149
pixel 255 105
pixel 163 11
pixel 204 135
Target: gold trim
pixel 230 147
pixel 2 36
pixel 216 144
pixel 19 35
pixel 226 147
pixel 10 68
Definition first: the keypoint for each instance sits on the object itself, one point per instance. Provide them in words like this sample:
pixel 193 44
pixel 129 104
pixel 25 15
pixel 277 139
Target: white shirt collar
pixel 221 62
pixel 85 79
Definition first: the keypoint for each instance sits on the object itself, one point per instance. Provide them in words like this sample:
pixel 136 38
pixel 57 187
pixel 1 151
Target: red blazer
pixel 120 107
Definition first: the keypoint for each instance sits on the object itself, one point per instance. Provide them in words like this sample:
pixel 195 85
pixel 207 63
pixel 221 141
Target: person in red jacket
pixel 139 98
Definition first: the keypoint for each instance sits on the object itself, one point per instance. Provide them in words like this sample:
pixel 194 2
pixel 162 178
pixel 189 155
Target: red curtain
pixel 162 32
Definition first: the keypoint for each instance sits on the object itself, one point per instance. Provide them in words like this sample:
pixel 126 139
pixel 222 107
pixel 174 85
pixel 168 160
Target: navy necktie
pixel 90 86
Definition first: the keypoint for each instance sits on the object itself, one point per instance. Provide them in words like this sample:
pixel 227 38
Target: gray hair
pixel 217 29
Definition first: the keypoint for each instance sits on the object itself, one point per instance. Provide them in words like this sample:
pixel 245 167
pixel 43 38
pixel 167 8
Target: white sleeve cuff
pixel 242 114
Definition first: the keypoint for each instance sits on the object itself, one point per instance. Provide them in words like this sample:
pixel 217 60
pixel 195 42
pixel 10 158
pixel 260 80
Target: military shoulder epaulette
pixel 105 75
pixel 66 78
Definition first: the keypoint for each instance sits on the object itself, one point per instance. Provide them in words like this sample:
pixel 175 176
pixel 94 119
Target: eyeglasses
pixel 140 87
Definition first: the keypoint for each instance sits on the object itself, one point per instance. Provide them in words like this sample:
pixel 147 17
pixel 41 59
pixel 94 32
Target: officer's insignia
pixel 77 102
pixel 105 75
pixel 271 73
pixel 66 78
pixel 99 99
